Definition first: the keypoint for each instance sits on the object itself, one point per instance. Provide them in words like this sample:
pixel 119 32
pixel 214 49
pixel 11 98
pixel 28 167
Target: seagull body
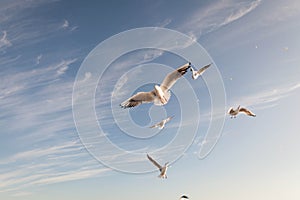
pixel 161 94
pixel 184 197
pixel 161 125
pixel 198 73
pixel 162 169
pixel 234 112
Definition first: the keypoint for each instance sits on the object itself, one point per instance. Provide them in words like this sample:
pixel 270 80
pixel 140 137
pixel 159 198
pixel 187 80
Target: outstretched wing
pixel 139 98
pixel 200 71
pixel 169 118
pixel 154 162
pixel 184 197
pixel 155 125
pixel 172 77
pixel 247 112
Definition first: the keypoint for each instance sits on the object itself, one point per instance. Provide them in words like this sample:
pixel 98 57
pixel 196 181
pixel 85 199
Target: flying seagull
pixel 196 74
pixel 184 197
pixel 161 94
pixel 161 124
pixel 234 112
pixel 162 169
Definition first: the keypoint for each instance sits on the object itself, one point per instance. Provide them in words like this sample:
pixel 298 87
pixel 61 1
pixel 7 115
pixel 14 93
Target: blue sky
pixel 255 46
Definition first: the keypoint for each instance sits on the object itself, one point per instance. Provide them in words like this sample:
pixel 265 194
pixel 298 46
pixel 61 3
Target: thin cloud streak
pixel 268 98
pixel 40 172
pixel 240 12
pixel 4 42
pixel 38 59
pixel 48 115
pixel 65 24
pixel 215 16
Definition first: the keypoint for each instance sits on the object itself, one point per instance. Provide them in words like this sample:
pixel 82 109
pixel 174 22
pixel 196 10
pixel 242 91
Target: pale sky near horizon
pixel 253 43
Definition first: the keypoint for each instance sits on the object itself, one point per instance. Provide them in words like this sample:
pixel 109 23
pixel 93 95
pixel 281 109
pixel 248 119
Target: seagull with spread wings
pixel 161 124
pixel 161 94
pixel 234 112
pixel 198 73
pixel 162 169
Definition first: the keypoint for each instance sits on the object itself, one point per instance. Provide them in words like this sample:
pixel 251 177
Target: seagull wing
pixel 139 98
pixel 169 118
pixel 230 110
pixel 172 77
pixel 155 125
pixel 200 71
pixel 247 112
pixel 154 162
pixel 184 197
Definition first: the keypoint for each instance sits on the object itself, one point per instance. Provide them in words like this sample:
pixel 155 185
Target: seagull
pixel 162 123
pixel 161 94
pixel 235 112
pixel 184 197
pixel 196 74
pixel 162 169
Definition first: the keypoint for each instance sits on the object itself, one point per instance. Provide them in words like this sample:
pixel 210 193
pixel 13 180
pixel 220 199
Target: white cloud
pixel 216 15
pixel 16 82
pixel 10 10
pixel 265 99
pixel 40 102
pixel 65 24
pixel 240 12
pixel 38 59
pixel 61 163
pixel 73 28
pixel 4 42
pixel 164 23
pixel 69 176
pixel 21 24
pixel 21 194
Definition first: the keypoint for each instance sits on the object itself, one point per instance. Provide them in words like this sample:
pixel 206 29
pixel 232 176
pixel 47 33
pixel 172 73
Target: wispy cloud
pixel 216 15
pixel 21 26
pixel 12 9
pixel 21 194
pixel 39 100
pixel 164 23
pixel 241 11
pixel 266 99
pixel 65 24
pixel 4 42
pixel 38 59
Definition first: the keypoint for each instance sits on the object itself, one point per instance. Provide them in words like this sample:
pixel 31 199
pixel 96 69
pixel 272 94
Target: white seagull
pixel 184 197
pixel 196 73
pixel 161 124
pixel 161 94
pixel 162 169
pixel 234 112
